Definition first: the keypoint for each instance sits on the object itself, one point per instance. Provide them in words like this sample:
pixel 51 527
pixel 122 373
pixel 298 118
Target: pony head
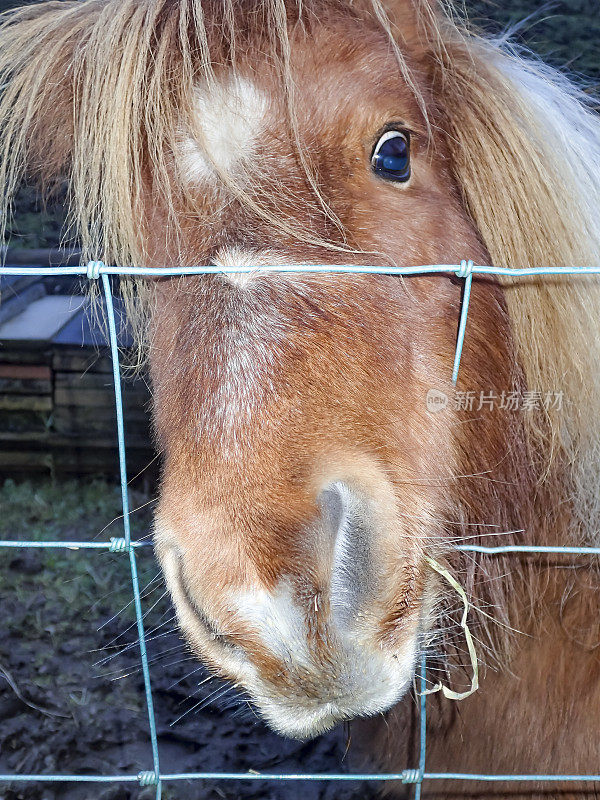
pixel 305 478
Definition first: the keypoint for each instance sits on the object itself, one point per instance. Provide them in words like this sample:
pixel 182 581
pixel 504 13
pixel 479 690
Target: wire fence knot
pixel 465 269
pixel 93 270
pixel 117 545
pixel 412 776
pixel 147 778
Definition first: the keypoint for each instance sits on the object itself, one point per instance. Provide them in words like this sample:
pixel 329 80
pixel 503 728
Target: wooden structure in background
pixel 57 412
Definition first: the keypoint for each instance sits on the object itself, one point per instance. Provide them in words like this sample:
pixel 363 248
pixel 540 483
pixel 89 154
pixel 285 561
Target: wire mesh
pixel 153 776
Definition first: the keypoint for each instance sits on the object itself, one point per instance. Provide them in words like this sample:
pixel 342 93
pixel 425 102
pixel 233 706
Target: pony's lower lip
pixel 299 722
pixel 305 725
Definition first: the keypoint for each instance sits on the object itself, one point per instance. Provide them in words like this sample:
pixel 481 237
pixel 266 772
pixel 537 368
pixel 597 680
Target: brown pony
pixel 306 481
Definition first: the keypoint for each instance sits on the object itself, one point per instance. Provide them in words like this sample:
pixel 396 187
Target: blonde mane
pixel 96 93
pixel 526 150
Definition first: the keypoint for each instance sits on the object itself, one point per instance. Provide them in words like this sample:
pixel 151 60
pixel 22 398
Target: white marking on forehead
pixel 241 257
pixel 230 118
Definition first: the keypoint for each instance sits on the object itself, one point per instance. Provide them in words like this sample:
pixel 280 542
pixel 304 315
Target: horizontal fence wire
pixel 115 545
pixel 97 270
pixel 407 776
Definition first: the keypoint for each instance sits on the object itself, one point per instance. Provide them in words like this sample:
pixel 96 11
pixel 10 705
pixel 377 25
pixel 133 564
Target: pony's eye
pixel 391 157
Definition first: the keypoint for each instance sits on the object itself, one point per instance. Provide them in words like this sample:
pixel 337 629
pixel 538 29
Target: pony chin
pixel 374 683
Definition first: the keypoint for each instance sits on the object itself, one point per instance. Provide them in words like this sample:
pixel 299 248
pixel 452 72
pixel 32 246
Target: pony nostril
pixel 331 503
pixel 348 517
pixel 212 631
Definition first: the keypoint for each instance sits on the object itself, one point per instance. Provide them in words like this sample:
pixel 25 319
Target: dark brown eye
pixel 391 157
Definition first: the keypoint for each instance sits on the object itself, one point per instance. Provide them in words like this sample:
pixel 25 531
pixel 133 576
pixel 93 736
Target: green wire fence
pixel 152 776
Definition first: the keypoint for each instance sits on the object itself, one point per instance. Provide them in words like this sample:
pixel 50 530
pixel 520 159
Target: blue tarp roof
pixel 23 298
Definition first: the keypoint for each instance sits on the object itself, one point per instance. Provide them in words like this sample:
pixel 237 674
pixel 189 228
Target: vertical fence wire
pixel 422 723
pixel 153 777
pixel 145 778
pixel 464 271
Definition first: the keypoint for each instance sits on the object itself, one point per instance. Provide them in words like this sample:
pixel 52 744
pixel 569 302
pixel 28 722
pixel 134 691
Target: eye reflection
pixel 391 157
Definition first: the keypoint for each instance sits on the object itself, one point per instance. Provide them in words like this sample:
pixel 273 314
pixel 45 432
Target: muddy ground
pixel 71 690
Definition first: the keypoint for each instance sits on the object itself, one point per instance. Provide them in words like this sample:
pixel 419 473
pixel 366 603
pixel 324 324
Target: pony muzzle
pixel 310 651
